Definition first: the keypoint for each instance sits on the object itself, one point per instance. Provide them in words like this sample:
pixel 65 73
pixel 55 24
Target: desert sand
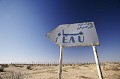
pixel 69 71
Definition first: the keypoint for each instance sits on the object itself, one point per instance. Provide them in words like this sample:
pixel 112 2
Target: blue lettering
pixel 64 40
pixel 72 39
pixel 81 39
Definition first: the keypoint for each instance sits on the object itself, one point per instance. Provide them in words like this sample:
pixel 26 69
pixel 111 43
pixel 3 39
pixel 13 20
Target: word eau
pixel 76 37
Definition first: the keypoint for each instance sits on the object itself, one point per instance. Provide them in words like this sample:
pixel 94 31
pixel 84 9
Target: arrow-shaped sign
pixel 78 34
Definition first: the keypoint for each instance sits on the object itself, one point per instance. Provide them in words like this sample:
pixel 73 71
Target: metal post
pixel 60 63
pixel 97 62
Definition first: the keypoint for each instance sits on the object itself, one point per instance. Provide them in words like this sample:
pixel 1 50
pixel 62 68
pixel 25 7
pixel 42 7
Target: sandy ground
pixel 81 71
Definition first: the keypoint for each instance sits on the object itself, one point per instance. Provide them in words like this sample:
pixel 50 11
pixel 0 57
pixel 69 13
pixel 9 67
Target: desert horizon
pixel 110 70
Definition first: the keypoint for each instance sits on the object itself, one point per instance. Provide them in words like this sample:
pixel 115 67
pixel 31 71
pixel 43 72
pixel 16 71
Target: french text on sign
pixel 78 34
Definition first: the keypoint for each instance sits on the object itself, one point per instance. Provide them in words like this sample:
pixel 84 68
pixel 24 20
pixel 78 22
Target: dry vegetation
pixel 50 71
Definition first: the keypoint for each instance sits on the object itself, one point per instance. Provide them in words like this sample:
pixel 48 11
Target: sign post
pixel 97 62
pixel 60 63
pixel 78 34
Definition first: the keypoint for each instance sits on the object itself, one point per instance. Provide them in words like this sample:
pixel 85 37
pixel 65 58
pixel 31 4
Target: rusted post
pixel 97 62
pixel 60 63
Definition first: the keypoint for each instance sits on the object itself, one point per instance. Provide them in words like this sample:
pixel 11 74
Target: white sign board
pixel 78 34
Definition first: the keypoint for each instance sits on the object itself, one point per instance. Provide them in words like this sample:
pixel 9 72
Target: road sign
pixel 78 34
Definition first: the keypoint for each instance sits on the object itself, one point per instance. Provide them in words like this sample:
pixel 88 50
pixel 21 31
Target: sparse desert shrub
pixel 29 67
pixel 1 68
pixel 65 70
pixel 86 65
pixel 84 77
pixel 115 68
pixel 19 66
pixel 73 67
pixel 55 64
pixel 5 65
pixel 16 65
pixel 16 75
pixel 13 75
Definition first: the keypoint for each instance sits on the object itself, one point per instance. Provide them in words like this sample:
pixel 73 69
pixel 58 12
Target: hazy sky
pixel 25 23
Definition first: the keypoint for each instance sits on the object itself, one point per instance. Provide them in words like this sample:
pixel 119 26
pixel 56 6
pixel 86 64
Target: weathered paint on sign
pixel 78 34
